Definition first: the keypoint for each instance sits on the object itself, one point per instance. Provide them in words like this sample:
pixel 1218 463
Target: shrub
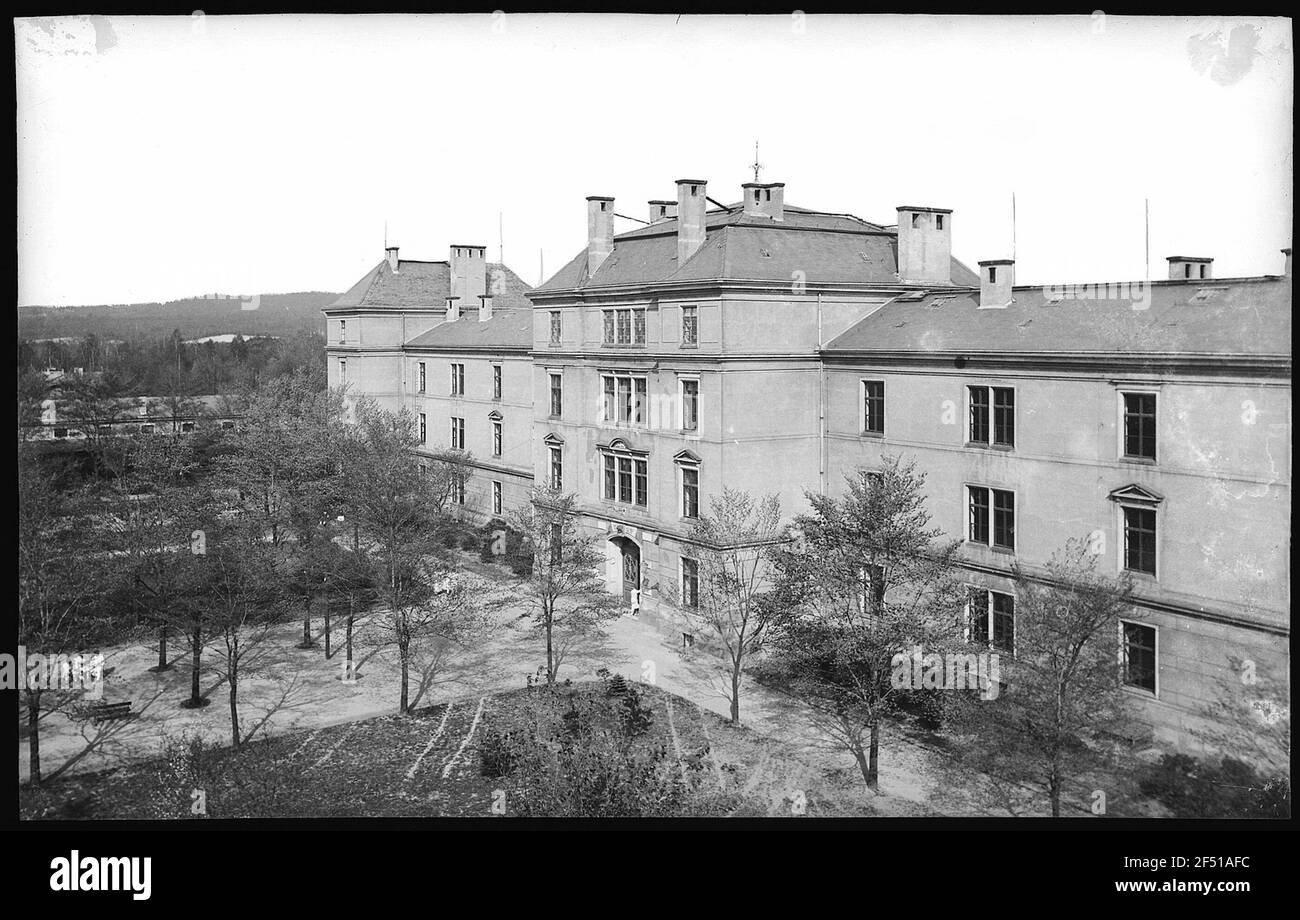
pixel 1194 788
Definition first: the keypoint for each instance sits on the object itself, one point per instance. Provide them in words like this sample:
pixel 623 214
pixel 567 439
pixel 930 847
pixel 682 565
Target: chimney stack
pixel 453 309
pixel 484 307
pixel 691 230
pixel 924 245
pixel 391 252
pixel 600 231
pixel 997 278
pixel 765 199
pixel 1286 266
pixel 1189 268
pixel 468 273
pixel 662 210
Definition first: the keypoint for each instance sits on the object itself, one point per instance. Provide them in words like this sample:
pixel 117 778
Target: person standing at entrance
pixel 636 601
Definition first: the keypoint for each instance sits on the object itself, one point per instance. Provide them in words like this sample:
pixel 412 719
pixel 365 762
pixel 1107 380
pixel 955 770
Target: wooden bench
pixel 105 712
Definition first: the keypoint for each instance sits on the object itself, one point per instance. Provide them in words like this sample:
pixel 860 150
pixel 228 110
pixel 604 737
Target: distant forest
pixel 275 314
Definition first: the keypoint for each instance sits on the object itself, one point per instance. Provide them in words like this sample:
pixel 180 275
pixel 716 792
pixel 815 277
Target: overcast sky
pixel 165 157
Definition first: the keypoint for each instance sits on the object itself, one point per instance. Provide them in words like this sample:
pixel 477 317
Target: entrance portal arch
pixel 622 567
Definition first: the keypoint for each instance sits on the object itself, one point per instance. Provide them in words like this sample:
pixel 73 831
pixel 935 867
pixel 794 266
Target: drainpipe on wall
pixel 821 397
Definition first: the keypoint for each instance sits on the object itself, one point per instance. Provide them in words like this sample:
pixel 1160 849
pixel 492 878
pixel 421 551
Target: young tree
pixel 241 591
pixel 1064 698
pixel 736 543
pixel 867 579
pixel 400 505
pixel 564 572
pixel 55 583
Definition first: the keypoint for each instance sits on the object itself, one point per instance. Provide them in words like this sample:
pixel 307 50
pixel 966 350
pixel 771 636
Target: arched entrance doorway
pixel 624 569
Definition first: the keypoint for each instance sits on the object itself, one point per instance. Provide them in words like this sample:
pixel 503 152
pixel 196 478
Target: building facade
pixel 775 349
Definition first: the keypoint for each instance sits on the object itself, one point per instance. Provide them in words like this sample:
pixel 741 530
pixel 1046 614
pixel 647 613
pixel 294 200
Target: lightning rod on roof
pixel 1013 226
pixel 1146 207
pixel 501 238
pixel 756 166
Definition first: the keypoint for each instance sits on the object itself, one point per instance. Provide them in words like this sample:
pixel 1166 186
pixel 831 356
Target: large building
pixel 775 349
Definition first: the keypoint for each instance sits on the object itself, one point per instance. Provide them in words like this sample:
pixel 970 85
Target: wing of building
pixel 776 349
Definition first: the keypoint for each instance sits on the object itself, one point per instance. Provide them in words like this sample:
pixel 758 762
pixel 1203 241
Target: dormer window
pixel 993 273
pixel 1202 271
pixel 916 220
pixel 938 221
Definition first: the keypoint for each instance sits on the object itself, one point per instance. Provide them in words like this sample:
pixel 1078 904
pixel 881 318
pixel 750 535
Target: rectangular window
pixel 458 380
pixel 690 492
pixel 979 514
pixel 624 399
pixel 496 497
pixel 626 479
pixel 979 415
pixel 343 369
pixel 1140 425
pixel 873 406
pixel 1139 655
pixel 1002 431
pixel 424 429
pixel 1004 416
pixel 497 439
pixel 991 617
pixel 690 583
pixel 458 488
pixel 623 327
pixel 1140 540
pixel 690 325
pixel 496 381
pixel 457 433
pixel 557 468
pixel 610 476
pixel 557 395
pixel 690 405
pixel 555 327
pixel 343 332
pixel 1004 519
pixel 422 377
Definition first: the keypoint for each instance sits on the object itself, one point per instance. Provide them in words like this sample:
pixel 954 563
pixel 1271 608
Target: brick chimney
pixel 484 307
pixel 765 199
pixel 468 273
pixel 924 245
pixel 600 231
pixel 1189 268
pixel 997 278
pixel 662 210
pixel 391 253
pixel 691 228
pixel 453 309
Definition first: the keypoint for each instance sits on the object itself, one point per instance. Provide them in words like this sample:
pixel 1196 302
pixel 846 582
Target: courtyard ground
pixel 303 693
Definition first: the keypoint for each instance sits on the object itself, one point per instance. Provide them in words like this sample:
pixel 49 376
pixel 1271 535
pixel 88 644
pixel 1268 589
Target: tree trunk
pixel 327 629
pixel 873 763
pixel 162 648
pixel 34 734
pixel 306 623
pixel 550 653
pixel 234 707
pixel 861 757
pixel 351 607
pixel 735 694
pixel 197 640
pixel 402 653
pixel 1054 790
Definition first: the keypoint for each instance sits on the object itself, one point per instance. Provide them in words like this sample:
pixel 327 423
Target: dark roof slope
pixel 427 284
pixel 509 330
pixel 827 248
pixel 1243 316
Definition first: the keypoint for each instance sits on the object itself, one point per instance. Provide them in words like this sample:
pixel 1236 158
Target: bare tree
pixel 735 546
pixel 564 574
pixel 400 504
pixel 866 580
pixel 1064 701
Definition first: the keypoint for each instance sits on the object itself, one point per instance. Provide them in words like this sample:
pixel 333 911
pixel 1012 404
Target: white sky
pixel 165 157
